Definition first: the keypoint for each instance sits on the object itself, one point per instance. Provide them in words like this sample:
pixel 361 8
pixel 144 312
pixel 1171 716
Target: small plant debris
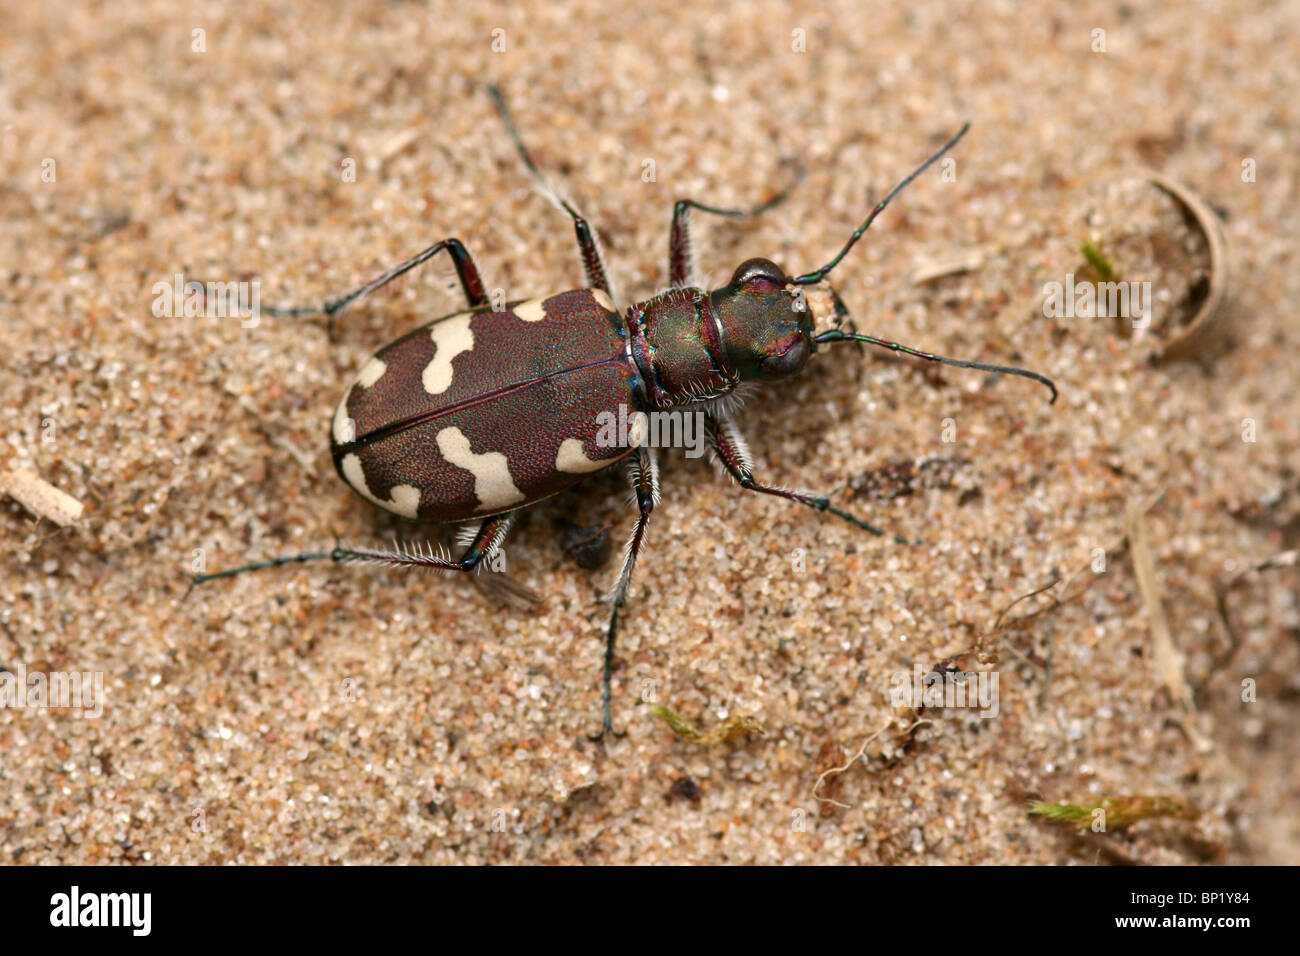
pixel 1098 260
pixel 40 497
pixel 737 725
pixel 1114 813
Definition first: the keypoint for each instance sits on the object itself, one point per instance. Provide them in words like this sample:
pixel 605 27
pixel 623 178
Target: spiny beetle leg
pixel 486 539
pixel 466 271
pixel 593 262
pixel 644 473
pixel 681 253
pixel 732 452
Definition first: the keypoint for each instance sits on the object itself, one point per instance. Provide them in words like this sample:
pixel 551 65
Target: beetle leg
pixel 733 454
pixel 644 473
pixel 466 271
pixel 593 261
pixel 681 253
pixel 485 541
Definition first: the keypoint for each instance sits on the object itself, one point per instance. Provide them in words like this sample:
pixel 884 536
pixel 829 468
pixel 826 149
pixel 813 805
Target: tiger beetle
pixel 483 412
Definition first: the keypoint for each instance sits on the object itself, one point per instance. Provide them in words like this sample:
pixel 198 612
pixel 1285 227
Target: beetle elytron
pixel 484 412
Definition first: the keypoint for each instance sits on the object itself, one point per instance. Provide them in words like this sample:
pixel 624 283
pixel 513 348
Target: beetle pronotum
pixel 480 413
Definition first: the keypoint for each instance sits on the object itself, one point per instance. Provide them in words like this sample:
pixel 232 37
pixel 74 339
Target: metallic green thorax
pixel 692 345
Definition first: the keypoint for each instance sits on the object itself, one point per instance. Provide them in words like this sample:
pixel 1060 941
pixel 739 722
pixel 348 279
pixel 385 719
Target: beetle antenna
pixel 835 335
pixel 809 278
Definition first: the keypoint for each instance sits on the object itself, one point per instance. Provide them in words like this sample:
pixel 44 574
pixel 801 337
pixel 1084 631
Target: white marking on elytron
pixel 573 460
pixel 371 372
pixel 450 338
pixel 493 486
pixel 404 501
pixel 530 311
pixel 344 427
pixel 603 299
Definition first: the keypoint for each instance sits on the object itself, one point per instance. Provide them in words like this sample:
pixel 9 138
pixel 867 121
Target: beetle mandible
pixel 480 413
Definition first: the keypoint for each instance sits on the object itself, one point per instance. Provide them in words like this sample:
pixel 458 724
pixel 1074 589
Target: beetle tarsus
pixel 470 281
pixel 731 451
pixel 593 261
pixel 607 725
pixel 643 471
pixel 681 259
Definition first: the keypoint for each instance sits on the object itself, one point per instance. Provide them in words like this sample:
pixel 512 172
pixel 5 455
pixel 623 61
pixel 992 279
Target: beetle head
pixel 765 320
pixel 767 325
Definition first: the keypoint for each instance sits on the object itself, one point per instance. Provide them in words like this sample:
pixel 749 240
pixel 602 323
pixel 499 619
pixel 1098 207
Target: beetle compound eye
pixel 787 362
pixel 759 275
